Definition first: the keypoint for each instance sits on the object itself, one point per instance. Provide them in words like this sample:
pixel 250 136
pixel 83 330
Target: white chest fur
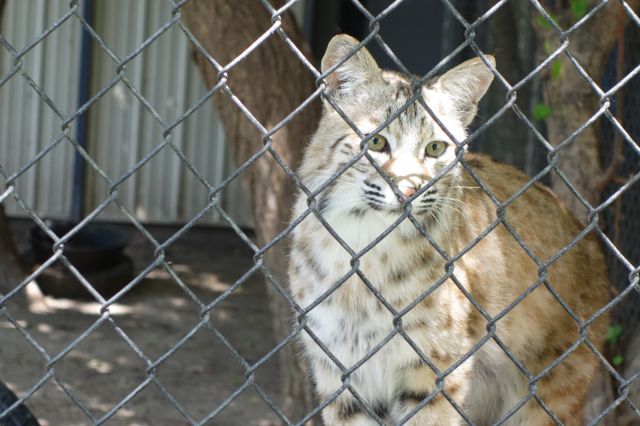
pixel 355 324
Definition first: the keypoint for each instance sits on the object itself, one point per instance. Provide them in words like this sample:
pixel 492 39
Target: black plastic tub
pixel 92 247
pixel 96 251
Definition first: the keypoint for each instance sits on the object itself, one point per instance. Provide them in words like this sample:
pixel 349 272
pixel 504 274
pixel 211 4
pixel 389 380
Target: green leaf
pixel 617 360
pixel 613 333
pixel 556 67
pixel 548 48
pixel 579 8
pixel 543 22
pixel 541 111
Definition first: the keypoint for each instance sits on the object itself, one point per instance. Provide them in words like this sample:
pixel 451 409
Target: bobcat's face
pixel 414 152
pixel 411 151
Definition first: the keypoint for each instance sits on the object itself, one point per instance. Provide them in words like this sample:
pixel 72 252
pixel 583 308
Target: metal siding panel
pixel 125 152
pixel 199 136
pixel 107 135
pixel 165 192
pixel 164 175
pixel 149 202
pixel 6 64
pixel 209 143
pixel 12 99
pixel 46 121
pixel 96 121
pixel 62 54
pixel 135 75
pixel 169 175
pixel 13 90
pixel 53 64
pixel 120 131
pixel 20 103
pixel 99 116
pixel 69 66
pixel 114 129
pixel 181 48
pixel 33 65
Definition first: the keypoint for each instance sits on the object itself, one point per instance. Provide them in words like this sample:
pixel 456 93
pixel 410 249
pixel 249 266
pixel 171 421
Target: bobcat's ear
pixel 357 70
pixel 466 84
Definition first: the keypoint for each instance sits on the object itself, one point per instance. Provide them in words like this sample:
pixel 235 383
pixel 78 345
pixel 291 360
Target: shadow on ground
pixel 103 370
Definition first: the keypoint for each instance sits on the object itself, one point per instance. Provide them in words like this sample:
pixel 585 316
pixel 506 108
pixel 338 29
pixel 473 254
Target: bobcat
pixel 438 355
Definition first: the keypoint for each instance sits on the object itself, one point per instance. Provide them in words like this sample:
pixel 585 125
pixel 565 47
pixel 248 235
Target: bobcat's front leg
pixel 437 412
pixel 345 410
pixel 419 386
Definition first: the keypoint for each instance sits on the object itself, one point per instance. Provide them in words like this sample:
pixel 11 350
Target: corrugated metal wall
pixel 26 123
pixel 121 131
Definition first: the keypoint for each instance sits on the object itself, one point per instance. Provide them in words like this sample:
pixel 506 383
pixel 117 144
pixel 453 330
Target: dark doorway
pixel 417 20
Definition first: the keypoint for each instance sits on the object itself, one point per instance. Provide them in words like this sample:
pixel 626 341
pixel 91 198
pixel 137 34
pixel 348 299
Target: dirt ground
pixel 103 370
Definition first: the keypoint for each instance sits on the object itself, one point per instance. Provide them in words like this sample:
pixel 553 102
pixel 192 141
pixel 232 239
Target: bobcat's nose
pixel 407 191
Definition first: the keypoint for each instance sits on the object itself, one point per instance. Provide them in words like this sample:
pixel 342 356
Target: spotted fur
pixel 442 326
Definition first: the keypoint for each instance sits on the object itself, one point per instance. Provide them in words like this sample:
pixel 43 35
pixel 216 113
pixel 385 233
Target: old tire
pixel 19 416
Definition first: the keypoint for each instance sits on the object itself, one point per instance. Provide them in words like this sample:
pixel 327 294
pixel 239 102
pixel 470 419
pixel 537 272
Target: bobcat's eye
pixel 377 143
pixel 435 148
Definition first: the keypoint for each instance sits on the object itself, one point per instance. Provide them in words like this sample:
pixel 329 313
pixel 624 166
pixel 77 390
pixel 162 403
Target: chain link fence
pixel 621 246
pixel 623 221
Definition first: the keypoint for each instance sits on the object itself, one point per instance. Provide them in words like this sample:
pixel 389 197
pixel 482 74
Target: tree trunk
pixel 627 416
pixel 271 82
pixel 573 102
pixel 510 38
pixel 11 274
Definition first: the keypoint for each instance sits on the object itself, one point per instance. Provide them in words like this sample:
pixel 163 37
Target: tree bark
pixel 271 82
pixel 627 416
pixel 510 38
pixel 573 102
pixel 11 273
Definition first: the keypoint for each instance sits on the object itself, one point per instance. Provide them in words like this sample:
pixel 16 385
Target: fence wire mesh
pixel 622 222
pixel 621 246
